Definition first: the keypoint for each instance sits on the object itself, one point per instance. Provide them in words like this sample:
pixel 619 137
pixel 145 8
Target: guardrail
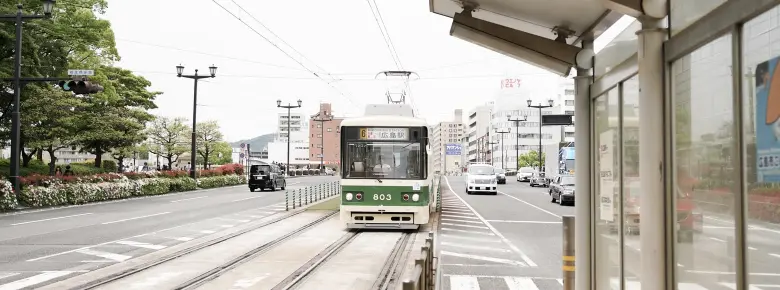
pixel 436 192
pixel 423 273
pixel 310 194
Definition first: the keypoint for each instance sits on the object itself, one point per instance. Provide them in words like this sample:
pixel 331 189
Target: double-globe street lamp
pixel 492 162
pixel 540 107
pixel 502 132
pixel 517 121
pixel 18 19
pixel 196 77
pixel 322 119
pixel 289 134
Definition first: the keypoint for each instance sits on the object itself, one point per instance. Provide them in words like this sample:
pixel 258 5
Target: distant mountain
pixel 255 144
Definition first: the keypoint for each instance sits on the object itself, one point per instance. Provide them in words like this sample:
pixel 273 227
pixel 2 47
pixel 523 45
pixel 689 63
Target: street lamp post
pixel 517 121
pixel 492 162
pixel 195 77
pixel 18 19
pixel 540 107
pixel 502 132
pixel 322 119
pixel 289 134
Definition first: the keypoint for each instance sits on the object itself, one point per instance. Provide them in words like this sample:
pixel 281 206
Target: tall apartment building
pixel 446 133
pixel 299 140
pixel 324 136
pixel 477 133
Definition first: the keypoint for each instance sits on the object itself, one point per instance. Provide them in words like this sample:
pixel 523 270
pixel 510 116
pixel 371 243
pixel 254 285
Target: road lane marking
pixel 234 220
pixel 207 232
pixel 560 281
pixel 151 282
pixel 525 258
pixel 183 239
pixel 104 255
pixel 459 216
pixel 461 221
pixel 248 198
pixel 227 226
pixel 464 283
pixel 469 232
pixel 481 248
pixel 717 240
pixel 733 286
pixel 473 239
pixel 7 275
pixel 51 219
pixel 751 248
pixel 37 279
pixel 141 245
pixel 774 255
pixel 135 218
pixel 465 226
pixel 534 206
pixel 191 198
pixel 522 222
pixel 456 211
pixel 731 273
pixel 520 283
pixel 483 258
pixel 247 283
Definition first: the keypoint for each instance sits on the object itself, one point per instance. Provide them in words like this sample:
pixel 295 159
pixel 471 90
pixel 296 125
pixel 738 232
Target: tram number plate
pixel 379 196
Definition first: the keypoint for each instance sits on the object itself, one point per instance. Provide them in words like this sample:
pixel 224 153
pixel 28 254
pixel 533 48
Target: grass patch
pixel 332 204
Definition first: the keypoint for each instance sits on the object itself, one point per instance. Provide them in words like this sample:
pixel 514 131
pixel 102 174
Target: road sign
pixel 557 120
pixel 81 72
pixel 453 149
pixel 241 155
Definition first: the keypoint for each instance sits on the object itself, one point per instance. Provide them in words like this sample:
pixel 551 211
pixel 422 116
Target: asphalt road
pixel 40 247
pixel 507 241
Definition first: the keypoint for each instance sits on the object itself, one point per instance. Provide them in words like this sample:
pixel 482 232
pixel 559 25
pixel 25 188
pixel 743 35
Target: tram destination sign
pixel 389 134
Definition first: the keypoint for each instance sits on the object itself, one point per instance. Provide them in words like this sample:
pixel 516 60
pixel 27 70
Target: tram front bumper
pixel 397 217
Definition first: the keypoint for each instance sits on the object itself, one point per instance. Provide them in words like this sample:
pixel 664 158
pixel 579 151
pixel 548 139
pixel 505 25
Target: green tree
pixel 49 122
pixel 207 136
pixel 115 118
pixel 222 153
pixel 529 159
pixel 168 138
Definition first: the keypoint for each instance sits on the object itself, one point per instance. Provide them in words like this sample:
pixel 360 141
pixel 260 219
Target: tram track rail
pixel 218 270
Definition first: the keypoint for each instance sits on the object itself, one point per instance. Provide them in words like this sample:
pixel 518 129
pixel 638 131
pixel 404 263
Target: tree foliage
pixel 168 138
pixel 207 135
pixel 49 121
pixel 530 159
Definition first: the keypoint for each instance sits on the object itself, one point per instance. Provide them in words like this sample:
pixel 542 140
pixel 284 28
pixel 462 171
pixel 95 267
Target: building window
pixel 568 92
pixel 319 135
pixel 570 102
pixel 570 113
pixel 319 125
pixel 330 129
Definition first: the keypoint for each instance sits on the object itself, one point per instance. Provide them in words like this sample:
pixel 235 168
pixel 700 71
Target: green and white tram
pixel 385 176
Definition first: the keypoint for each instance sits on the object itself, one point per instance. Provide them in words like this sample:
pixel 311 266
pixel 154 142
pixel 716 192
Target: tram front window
pixel 384 160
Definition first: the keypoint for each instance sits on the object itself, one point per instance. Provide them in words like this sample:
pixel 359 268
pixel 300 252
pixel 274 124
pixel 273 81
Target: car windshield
pixel 481 170
pixel 567 181
pixel 260 169
pixel 500 171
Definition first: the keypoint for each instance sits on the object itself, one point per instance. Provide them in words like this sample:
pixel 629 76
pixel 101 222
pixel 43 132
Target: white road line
pixel 717 240
pixel 7 275
pixel 37 279
pixel 464 283
pixel 560 281
pixel 461 221
pixel 234 220
pixel 466 226
pixel 191 198
pixel 470 232
pixel 523 222
pixel 483 258
pixel 459 216
pixel 536 207
pixel 142 245
pixel 207 232
pixel 51 219
pixel 227 226
pixel 525 258
pixel 731 273
pixel 248 198
pixel 520 283
pixel 456 211
pixel 774 255
pixel 733 286
pixel 481 248
pixel 135 218
pixel 104 255
pixel 718 227
pixel 473 239
pixel 680 286
pixel 183 239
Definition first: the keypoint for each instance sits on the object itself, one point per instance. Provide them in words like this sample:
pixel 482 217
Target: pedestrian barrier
pixel 423 273
pixel 310 194
pixel 437 184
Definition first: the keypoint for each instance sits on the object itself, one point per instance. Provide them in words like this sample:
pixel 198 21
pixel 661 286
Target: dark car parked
pixel 266 176
pixel 562 189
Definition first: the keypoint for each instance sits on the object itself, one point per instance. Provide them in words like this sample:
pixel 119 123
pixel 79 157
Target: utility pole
pixel 492 163
pixel 502 132
pixel 517 121
pixel 322 120
pixel 540 107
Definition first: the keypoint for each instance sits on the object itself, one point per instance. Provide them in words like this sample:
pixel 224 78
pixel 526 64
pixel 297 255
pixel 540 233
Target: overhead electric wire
pixel 282 50
pixel 385 36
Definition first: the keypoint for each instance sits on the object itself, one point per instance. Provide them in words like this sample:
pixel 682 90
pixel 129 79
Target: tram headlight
pixel 349 196
pixel 415 197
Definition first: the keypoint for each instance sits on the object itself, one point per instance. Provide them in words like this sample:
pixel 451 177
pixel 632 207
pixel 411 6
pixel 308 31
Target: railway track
pixel 385 279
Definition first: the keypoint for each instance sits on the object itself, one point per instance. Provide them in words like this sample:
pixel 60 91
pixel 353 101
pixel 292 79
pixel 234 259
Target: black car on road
pixel 266 176
pixel 562 189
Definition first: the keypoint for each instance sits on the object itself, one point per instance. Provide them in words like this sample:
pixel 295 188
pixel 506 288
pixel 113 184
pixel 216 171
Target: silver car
pixel 538 179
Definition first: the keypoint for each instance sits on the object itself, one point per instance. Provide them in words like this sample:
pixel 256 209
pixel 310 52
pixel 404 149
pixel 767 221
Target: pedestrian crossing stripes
pixel 477 282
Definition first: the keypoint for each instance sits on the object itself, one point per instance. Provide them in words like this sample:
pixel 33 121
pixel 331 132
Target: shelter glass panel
pixel 607 205
pixel 632 258
pixel 761 127
pixel 686 12
pixel 621 48
pixel 704 179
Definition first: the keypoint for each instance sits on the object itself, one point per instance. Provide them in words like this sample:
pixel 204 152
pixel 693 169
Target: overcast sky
pixel 340 38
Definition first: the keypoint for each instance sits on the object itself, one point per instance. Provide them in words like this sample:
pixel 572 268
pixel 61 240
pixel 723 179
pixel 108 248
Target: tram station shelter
pixel 677 129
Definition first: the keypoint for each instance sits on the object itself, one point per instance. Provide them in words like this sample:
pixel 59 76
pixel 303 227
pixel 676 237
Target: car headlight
pixel 568 192
pixel 472 181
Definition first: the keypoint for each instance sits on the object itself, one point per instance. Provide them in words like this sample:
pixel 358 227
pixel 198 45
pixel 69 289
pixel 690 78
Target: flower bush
pixel 220 181
pixel 7 197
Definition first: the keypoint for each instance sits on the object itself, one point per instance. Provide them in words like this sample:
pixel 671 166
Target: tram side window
pixel 384 160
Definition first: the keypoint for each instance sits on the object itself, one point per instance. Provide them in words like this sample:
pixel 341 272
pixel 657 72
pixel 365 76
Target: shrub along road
pixel 82 238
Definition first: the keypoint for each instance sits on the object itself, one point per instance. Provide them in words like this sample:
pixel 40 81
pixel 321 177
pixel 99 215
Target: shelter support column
pixel 583 173
pixel 651 153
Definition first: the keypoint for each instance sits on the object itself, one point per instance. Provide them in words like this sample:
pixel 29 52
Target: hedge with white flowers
pixel 7 197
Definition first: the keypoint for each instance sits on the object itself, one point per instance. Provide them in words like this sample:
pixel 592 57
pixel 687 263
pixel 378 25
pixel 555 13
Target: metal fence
pixel 423 273
pixel 303 196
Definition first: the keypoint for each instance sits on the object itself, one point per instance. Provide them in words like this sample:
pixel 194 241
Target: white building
pixel 478 126
pixel 299 153
pixel 299 140
pixel 299 127
pixel 446 133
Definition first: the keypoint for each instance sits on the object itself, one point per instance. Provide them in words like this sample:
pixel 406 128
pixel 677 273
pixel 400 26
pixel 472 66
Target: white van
pixel 525 173
pixel 481 178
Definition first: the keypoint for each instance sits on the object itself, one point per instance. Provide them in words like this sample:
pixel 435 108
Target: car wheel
pixel 468 192
pixel 553 199
pixel 273 186
pixel 284 185
pixel 495 193
pixel 262 189
pixel 560 201
pixel 252 189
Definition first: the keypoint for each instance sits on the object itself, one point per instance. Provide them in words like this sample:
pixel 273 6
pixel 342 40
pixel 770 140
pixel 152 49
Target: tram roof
pixel 384 121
